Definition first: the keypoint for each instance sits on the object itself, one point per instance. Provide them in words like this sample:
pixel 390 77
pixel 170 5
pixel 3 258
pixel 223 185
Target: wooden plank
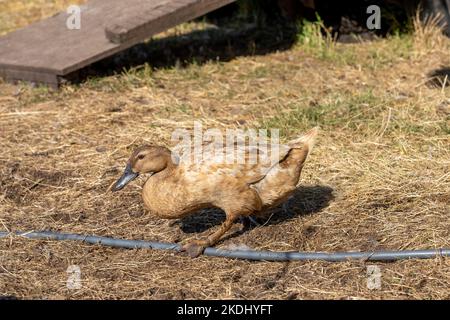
pixel 135 23
pixel 15 75
pixel 49 46
pixel 47 50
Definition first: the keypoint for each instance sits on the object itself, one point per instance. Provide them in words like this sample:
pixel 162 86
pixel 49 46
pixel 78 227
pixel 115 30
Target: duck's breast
pixel 174 197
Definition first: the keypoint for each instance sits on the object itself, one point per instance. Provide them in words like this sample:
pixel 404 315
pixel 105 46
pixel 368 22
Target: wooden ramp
pixel 46 51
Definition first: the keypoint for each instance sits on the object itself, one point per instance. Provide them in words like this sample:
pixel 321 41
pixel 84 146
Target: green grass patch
pixel 338 112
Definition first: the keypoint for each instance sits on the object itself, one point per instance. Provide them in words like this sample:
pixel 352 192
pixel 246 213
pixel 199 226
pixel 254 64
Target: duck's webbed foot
pixel 194 248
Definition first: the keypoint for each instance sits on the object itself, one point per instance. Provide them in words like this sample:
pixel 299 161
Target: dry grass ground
pixel 379 177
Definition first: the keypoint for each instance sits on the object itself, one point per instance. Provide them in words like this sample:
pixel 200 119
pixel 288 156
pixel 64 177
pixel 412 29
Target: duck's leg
pixel 196 247
pixel 244 203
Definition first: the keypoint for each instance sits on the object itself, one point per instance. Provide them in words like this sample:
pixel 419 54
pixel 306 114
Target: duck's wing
pixel 268 157
pixel 247 162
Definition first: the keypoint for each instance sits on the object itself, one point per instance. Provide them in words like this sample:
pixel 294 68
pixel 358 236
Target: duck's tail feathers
pixel 308 139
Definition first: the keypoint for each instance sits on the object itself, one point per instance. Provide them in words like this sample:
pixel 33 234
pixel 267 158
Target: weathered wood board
pixel 48 50
pixel 156 16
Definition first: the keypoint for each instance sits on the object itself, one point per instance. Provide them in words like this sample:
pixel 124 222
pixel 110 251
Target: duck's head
pixel 145 159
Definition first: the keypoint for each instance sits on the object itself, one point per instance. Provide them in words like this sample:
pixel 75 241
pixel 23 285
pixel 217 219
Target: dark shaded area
pixel 440 9
pixel 394 14
pixel 438 77
pixel 201 221
pixel 336 15
pixel 305 201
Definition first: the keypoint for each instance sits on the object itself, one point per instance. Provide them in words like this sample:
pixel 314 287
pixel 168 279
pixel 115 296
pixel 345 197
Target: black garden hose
pixel 240 254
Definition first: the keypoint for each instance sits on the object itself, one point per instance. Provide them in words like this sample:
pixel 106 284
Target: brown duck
pixel 176 188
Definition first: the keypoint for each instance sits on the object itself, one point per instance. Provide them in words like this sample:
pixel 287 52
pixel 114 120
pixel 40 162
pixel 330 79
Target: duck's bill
pixel 127 176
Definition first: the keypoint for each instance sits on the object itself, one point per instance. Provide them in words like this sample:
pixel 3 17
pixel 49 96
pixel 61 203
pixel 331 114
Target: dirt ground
pixel 377 179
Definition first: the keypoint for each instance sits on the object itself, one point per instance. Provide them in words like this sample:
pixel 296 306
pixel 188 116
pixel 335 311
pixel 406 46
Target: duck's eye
pixel 141 156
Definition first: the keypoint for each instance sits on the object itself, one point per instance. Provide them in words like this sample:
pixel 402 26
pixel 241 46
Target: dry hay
pixel 378 178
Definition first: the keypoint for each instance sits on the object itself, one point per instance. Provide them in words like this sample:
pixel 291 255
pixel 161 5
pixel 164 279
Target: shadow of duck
pixel 305 201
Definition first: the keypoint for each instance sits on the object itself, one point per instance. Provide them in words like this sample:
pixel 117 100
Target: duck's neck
pixel 171 166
